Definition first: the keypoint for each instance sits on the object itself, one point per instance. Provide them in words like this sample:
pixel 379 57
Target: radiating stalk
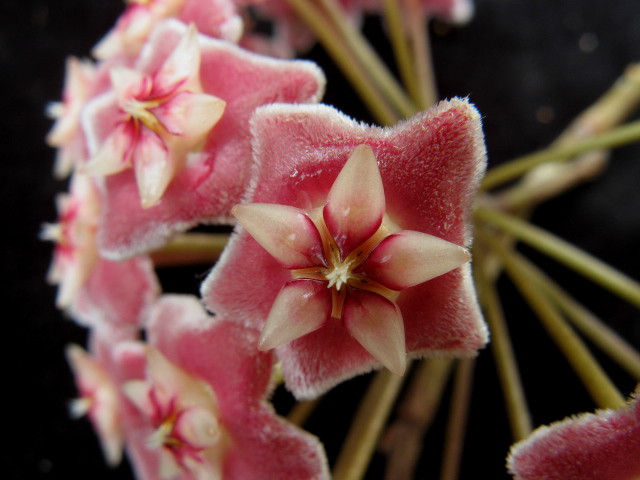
pixel 402 441
pixel 301 411
pixel 456 426
pixel 564 252
pixel 191 249
pixel 599 386
pixel 400 45
pixel 502 349
pixel 365 430
pixel 370 59
pixel 592 327
pixel 334 43
pixel 419 35
pixel 511 170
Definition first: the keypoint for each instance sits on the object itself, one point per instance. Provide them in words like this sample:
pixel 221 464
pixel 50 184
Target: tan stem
pixel 191 249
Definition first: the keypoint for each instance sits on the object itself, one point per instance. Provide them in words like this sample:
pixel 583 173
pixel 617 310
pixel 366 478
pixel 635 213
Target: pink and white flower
pixel 592 446
pixel 213 175
pixel 342 285
pixel 159 118
pixel 217 18
pixel 200 409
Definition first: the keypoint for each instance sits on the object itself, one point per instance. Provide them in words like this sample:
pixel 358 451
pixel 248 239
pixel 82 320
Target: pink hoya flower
pixel 200 411
pixel 217 18
pixel 593 446
pixel 159 118
pixel 65 133
pixel 214 176
pixel 99 397
pixel 348 270
pixel 95 291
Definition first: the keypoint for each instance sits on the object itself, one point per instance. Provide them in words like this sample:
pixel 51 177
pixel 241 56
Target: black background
pixel 512 59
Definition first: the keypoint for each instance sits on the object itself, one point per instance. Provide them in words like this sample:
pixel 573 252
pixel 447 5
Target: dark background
pixel 513 59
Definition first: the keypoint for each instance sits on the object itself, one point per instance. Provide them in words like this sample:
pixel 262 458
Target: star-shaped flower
pixel 159 118
pixel 200 411
pixel 593 446
pixel 217 18
pixel 215 175
pixel 350 248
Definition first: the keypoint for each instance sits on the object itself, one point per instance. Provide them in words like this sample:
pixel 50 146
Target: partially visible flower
pixel 429 168
pixel 75 253
pixel 215 175
pixel 591 446
pixel 160 117
pixel 200 409
pixel 65 133
pixel 217 18
pixel 99 400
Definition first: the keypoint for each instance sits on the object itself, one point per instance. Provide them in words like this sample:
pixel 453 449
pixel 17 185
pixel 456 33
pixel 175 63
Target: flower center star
pixel 349 261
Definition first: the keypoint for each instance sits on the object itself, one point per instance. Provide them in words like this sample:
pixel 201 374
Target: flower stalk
pixel 191 249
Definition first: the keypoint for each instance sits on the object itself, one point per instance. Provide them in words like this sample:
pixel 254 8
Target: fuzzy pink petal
pixel 117 293
pixel 376 323
pixel 214 179
pixel 430 166
pixel 114 154
pixel 287 233
pixel 129 84
pixel 593 446
pixel 408 258
pixel 355 204
pixel 181 66
pixel 190 115
pixel 301 307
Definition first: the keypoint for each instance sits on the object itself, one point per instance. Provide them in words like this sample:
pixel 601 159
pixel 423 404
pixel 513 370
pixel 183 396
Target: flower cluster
pixel 350 252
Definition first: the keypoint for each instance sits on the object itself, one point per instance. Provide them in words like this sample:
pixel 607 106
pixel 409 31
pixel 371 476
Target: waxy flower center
pixel 140 111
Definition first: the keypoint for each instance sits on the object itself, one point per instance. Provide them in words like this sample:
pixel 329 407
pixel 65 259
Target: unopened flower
pixel 342 286
pixel 592 446
pixel 200 411
pixel 215 173
pixel 217 18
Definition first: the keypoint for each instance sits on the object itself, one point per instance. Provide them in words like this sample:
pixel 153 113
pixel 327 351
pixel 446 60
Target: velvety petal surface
pixel 592 446
pixel 213 179
pixel 430 166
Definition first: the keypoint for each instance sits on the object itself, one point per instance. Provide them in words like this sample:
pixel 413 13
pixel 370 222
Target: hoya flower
pixel 215 175
pixel 75 253
pixel 200 411
pixel 65 133
pixel 348 270
pixel 593 446
pixel 159 117
pixel 217 18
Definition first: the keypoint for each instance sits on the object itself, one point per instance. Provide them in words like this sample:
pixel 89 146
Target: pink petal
pixel 191 115
pixel 408 258
pixel 301 307
pixel 593 446
pixel 181 66
pixel 376 323
pixel 129 84
pixel 287 233
pixel 355 204
pixel 154 167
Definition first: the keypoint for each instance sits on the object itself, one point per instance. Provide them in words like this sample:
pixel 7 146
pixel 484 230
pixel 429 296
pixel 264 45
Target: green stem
pixel 334 43
pixel 456 426
pixel 564 252
pixel 191 249
pixel 364 432
pixel 599 333
pixel 402 441
pixel 506 172
pixel 502 349
pixel 400 45
pixel 370 59
pixel 599 386
pixel 302 411
pixel 418 31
